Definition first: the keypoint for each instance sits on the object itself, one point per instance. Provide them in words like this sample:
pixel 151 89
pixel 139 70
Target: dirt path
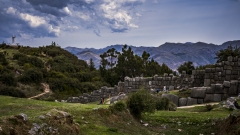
pixel 191 106
pixel 46 90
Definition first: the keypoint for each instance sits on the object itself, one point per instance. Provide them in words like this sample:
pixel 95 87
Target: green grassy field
pixel 104 122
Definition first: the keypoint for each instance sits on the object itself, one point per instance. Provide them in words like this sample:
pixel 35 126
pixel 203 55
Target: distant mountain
pixel 172 54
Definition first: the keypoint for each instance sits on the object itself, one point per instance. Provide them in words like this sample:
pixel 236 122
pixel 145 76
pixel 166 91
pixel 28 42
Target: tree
pixel 223 54
pixel 186 66
pixel 91 65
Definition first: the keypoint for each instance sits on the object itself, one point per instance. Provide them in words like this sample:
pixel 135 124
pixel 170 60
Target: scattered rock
pixel 22 116
pixel 179 130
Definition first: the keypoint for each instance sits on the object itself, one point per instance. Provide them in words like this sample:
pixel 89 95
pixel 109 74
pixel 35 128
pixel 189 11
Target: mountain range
pixel 172 54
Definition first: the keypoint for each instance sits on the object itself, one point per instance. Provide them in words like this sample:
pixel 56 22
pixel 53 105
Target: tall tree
pixel 91 65
pixel 223 54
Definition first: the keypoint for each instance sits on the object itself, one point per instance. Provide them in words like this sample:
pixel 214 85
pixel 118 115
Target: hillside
pixel 25 116
pixel 25 71
pixel 172 54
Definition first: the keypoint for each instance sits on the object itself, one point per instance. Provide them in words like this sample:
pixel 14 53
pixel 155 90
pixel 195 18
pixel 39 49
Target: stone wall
pixel 209 85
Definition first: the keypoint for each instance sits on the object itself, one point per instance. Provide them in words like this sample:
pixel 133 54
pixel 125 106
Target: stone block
pixel 230 58
pixel 210 90
pixel 207 82
pixel 172 98
pixel 182 101
pixel 228 72
pixel 233 90
pixel 224 96
pixel 171 88
pixel 226 84
pixel 208 70
pixel 200 101
pixel 228 77
pixel 217 97
pixel 198 92
pixel 235 72
pixel 219 89
pixel 209 98
pixel 191 101
pixel 219 69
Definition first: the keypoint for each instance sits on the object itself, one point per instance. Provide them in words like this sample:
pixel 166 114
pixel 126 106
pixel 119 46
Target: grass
pixel 192 121
pixel 102 121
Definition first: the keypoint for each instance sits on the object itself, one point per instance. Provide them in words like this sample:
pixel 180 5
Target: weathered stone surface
pixel 172 98
pixel 210 90
pixel 191 101
pixel 233 90
pixel 226 84
pixel 200 101
pixel 171 87
pixel 207 82
pixel 217 97
pixel 198 92
pixel 218 89
pixel 209 98
pixel 182 101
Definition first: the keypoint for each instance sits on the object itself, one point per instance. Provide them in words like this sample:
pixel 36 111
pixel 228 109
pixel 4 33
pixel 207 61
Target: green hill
pixel 23 69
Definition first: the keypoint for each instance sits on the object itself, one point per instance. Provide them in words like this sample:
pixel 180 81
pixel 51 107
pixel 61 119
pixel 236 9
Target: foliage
pixel 11 91
pixel 162 103
pixel 223 54
pixel 209 107
pixel 141 102
pixel 91 65
pixel 116 66
pixel 8 79
pixel 32 75
pixel 119 106
pixel 186 66
pixel 3 60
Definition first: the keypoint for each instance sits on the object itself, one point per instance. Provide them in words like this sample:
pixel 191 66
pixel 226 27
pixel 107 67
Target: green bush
pixel 172 106
pixel 32 75
pixel 11 91
pixel 119 106
pixel 141 102
pixel 162 103
pixel 209 107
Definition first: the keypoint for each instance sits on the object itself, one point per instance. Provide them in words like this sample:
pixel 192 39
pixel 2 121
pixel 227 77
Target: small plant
pixel 209 107
pixel 113 129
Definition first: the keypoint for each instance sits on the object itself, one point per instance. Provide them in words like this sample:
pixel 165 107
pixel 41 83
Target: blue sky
pixel 100 23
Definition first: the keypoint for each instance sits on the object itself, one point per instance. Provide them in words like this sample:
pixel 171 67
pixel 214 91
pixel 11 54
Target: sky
pixel 100 23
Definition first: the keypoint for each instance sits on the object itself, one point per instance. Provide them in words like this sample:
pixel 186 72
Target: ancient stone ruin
pixel 209 85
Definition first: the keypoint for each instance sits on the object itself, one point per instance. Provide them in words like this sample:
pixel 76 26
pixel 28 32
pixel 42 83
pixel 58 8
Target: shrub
pixel 209 107
pixel 11 91
pixel 119 106
pixel 172 106
pixel 141 102
pixel 32 75
pixel 162 103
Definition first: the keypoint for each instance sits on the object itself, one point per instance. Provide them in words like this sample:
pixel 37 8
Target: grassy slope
pixel 191 121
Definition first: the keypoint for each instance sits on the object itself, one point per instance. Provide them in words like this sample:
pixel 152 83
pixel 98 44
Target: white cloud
pixel 34 21
pixel 66 11
pixel 11 10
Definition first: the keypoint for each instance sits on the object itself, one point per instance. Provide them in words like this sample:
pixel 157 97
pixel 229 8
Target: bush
pixel 32 75
pixel 11 91
pixel 141 102
pixel 209 107
pixel 172 106
pixel 162 103
pixel 119 106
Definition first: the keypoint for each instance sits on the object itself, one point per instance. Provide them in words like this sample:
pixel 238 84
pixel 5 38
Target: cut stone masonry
pixel 209 85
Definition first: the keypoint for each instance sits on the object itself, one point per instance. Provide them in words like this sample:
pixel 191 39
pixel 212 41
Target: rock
pixel 191 101
pixel 22 116
pixel 182 101
pixel 172 98
pixel 198 92
pixel 230 103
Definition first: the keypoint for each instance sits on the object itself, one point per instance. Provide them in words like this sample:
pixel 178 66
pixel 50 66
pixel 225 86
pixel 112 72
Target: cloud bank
pixel 48 18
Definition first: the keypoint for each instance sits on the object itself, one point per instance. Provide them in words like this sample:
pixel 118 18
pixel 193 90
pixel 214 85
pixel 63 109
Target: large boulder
pixel 182 102
pixel 198 92
pixel 191 101
pixel 172 98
